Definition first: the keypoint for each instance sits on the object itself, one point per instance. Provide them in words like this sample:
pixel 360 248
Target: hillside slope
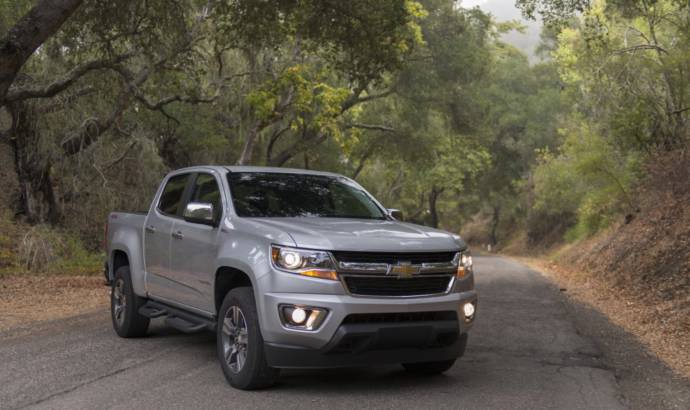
pixel 640 271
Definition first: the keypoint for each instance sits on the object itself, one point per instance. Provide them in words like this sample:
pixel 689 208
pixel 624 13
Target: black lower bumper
pixel 375 343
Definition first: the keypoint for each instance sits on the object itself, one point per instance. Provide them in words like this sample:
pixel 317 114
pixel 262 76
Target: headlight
pixel 464 264
pixel 306 262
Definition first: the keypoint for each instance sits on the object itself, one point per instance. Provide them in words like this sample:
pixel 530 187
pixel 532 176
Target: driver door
pixel 158 229
pixel 194 246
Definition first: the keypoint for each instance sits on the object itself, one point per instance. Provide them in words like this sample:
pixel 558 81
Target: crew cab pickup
pixel 291 269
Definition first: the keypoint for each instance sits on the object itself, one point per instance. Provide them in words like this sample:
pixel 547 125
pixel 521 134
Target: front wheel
pixel 240 344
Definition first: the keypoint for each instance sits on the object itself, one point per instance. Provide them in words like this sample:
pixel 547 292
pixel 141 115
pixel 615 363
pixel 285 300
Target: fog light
pixel 302 317
pixel 298 316
pixel 468 310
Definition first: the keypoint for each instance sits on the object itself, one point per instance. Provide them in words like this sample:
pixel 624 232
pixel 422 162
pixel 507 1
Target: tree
pixel 159 55
pixel 432 151
pixel 29 33
pixel 623 65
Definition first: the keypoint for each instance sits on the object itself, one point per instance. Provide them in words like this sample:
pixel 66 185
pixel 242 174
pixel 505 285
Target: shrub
pixel 588 178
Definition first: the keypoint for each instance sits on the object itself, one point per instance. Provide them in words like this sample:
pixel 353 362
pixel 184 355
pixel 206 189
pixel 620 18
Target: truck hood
pixel 363 235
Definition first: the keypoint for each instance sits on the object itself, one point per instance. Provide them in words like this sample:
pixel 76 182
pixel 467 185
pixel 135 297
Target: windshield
pixel 265 194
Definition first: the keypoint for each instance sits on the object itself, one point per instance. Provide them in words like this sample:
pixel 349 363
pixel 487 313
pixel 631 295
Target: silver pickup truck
pixel 291 269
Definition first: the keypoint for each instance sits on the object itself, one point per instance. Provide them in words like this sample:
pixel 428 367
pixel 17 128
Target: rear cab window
pixel 170 202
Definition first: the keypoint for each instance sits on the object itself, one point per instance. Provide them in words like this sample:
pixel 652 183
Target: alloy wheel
pixel 119 301
pixel 235 339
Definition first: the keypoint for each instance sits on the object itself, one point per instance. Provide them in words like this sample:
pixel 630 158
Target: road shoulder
pixel 29 299
pixel 645 380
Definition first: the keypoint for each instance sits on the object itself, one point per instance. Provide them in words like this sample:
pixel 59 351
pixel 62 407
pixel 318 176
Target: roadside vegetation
pixel 581 156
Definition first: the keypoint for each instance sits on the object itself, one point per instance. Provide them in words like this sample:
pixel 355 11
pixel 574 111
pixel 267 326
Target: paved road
pixel 531 348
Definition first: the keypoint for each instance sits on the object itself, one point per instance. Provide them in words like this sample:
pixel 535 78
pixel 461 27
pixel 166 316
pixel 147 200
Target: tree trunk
pixel 495 219
pixel 433 212
pixel 32 30
pixel 308 140
pixel 37 200
pixel 248 149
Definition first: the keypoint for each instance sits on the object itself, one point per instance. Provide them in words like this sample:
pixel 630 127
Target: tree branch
pixel 356 99
pixel 26 36
pixel 64 100
pixel 63 83
pixel 134 81
pixel 680 111
pixel 641 47
pixel 271 142
pixel 374 127
pixel 362 161
pixel 309 139
pixel 160 105
pixel 93 128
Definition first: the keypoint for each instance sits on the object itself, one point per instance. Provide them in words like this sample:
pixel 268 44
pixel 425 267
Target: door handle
pixel 177 235
pixel 151 229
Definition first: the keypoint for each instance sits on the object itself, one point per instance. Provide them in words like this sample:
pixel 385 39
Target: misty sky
pixel 505 10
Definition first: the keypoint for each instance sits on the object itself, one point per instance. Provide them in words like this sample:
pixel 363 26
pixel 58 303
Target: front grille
pixel 394 258
pixel 393 286
pixel 400 317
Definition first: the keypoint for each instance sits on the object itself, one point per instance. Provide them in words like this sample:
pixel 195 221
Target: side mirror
pixel 396 214
pixel 199 213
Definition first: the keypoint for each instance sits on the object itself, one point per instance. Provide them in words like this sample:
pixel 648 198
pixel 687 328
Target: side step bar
pixel 177 318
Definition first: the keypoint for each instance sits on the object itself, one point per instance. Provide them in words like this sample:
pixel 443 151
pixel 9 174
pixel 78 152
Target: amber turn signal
pixel 321 274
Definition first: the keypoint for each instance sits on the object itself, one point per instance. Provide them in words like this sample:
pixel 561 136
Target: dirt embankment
pixel 29 298
pixel 638 273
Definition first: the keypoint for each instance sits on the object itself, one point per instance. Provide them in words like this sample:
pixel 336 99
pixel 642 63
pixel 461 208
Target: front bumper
pixel 339 306
pixel 368 344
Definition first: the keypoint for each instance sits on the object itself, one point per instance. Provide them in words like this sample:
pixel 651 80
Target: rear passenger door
pixel 158 229
pixel 194 247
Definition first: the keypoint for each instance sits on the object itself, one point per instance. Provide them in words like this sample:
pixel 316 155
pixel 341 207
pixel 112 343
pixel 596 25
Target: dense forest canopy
pixel 421 101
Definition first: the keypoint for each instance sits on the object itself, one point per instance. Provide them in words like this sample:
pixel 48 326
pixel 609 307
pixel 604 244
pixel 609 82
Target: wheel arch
pixel 118 259
pixel 226 279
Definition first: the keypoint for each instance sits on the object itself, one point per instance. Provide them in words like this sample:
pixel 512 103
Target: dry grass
pixel 661 326
pixel 31 298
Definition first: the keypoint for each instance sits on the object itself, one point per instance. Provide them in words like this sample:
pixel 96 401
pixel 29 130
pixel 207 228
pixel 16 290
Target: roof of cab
pixel 245 168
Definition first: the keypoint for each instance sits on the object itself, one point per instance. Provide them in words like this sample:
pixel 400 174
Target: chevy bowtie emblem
pixel 403 269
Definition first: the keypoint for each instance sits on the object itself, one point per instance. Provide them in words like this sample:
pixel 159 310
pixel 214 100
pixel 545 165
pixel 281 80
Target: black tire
pixel 127 321
pixel 439 366
pixel 254 373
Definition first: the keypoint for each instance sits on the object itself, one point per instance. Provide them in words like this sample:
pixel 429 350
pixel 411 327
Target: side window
pixel 171 198
pixel 206 190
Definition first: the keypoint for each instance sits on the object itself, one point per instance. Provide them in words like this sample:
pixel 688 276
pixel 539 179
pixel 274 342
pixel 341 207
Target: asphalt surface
pixel 530 348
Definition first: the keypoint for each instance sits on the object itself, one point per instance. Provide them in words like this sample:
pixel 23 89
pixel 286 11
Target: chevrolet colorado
pixel 291 269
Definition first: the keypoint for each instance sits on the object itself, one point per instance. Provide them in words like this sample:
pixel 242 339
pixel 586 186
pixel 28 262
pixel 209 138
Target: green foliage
pixel 554 12
pixel 363 38
pixel 589 177
pixel 420 100
pixel 314 103
pixel 622 66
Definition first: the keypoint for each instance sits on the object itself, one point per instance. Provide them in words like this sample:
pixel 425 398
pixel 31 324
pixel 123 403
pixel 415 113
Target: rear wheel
pixel 124 306
pixel 240 344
